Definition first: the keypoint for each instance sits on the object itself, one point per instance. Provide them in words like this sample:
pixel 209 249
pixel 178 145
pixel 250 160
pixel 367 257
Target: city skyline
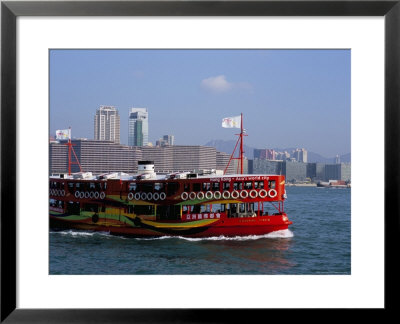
pixel 289 98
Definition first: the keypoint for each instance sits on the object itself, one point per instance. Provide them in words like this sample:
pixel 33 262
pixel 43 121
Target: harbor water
pixel 318 242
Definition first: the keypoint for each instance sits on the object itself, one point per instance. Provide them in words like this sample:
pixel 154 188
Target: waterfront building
pixel 222 162
pixel 138 127
pixel 340 171
pixel 294 171
pixel 107 124
pixel 94 156
pixel 260 166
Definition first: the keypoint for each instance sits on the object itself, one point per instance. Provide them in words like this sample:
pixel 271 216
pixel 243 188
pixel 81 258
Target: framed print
pixel 33 31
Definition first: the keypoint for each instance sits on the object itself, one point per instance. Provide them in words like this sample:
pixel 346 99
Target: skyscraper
pixel 138 128
pixel 106 124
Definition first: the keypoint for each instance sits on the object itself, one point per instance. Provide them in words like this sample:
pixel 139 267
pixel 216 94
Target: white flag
pixel 231 122
pixel 63 134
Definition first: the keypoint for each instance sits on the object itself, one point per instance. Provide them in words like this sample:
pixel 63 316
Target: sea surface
pixel 318 242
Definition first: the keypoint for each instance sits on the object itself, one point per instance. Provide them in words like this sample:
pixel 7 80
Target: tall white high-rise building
pixel 138 128
pixel 107 124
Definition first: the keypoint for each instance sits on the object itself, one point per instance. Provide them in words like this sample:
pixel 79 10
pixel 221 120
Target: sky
pixel 289 98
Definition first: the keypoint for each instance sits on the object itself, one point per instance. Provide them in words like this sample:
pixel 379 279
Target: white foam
pixel 277 234
pixel 80 233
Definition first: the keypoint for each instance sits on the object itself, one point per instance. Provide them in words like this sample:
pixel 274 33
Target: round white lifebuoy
pixel 209 195
pixel 263 193
pixel 272 193
pixel 163 195
pixel 253 194
pixel 130 196
pixel 137 196
pixel 149 196
pixel 200 195
pixel 76 194
pixel 192 195
pixel 226 194
pixel 81 194
pixel 96 195
pixel 184 195
pixel 92 194
pixel 87 194
pixel 143 196
pixel 156 196
pixel 217 195
pixel 244 194
pixel 235 194
pixel 102 195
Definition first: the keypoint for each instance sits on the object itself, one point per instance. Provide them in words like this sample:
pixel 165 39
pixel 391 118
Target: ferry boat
pixel 203 203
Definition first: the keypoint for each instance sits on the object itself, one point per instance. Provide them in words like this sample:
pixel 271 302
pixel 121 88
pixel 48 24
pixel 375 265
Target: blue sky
pixel 289 98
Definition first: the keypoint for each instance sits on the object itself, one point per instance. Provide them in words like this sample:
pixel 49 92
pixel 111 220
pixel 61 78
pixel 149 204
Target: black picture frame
pixel 10 10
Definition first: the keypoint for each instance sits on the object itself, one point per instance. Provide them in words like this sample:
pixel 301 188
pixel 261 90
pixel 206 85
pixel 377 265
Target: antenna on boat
pixel 233 122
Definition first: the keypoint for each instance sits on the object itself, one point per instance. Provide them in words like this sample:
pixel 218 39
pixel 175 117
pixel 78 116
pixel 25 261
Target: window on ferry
pixel 196 187
pixel 225 185
pixel 60 204
pixel 71 187
pixel 186 187
pixel 215 186
pixel 218 208
pixel 98 186
pixel 237 185
pixel 77 185
pixel 242 208
pixel 265 209
pixel 52 202
pixel 92 185
pixel 206 186
pixel 258 184
pixel 132 186
pixel 248 185
pixel 172 188
pixel 158 186
pixel 146 187
pixel 205 209
pixel 271 184
pixel 130 209
pixel 185 209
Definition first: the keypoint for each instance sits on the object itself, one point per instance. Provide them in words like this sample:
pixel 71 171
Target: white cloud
pixel 217 84
pixel 220 84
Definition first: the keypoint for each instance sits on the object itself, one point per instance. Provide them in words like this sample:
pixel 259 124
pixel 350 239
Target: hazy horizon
pixel 289 98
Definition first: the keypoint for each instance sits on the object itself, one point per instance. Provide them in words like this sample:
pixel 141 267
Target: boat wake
pixel 75 233
pixel 274 235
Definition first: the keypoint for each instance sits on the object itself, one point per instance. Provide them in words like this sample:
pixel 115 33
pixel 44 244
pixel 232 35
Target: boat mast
pixel 70 148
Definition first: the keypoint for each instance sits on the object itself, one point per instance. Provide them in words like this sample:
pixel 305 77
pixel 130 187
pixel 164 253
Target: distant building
pixel 300 155
pixel 107 124
pixel 138 127
pixel 264 154
pixel 166 140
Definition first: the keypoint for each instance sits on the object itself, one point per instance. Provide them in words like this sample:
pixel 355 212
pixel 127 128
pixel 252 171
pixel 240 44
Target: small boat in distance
pixel 334 184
